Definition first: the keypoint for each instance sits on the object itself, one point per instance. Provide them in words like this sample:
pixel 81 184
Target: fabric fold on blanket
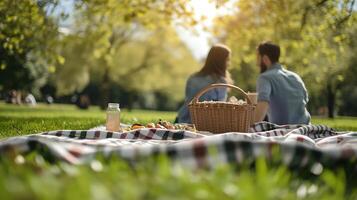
pixel 300 146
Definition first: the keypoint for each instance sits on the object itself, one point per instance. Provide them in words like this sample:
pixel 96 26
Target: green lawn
pixel 22 120
pixel 340 123
pixel 31 177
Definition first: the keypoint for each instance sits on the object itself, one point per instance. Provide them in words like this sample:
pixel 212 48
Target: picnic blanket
pixel 297 146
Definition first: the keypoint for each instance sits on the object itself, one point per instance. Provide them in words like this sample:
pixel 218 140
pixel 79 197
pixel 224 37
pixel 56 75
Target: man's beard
pixel 263 67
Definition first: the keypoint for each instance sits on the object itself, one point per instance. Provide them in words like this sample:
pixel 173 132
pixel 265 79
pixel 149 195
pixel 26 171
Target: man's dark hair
pixel 271 50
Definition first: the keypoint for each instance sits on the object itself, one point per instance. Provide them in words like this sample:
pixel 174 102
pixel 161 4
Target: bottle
pixel 113 117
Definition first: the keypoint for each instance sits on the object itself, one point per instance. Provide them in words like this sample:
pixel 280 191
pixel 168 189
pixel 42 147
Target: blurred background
pixel 140 52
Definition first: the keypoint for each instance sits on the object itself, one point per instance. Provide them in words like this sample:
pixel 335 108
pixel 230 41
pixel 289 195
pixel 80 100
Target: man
pixel 281 93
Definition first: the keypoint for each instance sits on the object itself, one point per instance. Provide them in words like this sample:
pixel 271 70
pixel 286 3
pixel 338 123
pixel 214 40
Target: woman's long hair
pixel 217 63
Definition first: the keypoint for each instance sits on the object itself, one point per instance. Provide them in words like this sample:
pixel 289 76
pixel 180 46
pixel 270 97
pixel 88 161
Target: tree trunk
pixel 130 102
pixel 132 98
pixel 331 97
pixel 105 90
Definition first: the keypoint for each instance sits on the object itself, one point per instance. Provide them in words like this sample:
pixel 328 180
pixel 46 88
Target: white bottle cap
pixel 113 105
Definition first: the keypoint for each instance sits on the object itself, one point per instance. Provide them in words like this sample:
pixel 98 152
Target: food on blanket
pixel 170 126
pixel 126 129
pixel 137 126
pixel 162 125
pixel 187 127
pixel 150 125
pixel 159 126
pixel 166 124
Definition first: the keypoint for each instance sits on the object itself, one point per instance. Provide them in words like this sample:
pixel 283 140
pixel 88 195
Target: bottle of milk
pixel 113 117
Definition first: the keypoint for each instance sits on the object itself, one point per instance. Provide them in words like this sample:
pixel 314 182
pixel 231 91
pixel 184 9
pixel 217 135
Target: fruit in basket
pixel 234 100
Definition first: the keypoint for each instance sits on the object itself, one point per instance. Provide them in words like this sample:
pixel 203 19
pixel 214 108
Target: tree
pixel 106 30
pixel 27 44
pixel 312 35
pixel 159 63
pixel 348 94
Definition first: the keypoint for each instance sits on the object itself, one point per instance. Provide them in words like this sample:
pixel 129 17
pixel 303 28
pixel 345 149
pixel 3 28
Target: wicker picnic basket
pixel 221 117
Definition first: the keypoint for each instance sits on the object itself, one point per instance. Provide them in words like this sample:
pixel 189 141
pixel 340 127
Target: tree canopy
pixel 132 47
pixel 27 43
pixel 314 37
pixel 130 43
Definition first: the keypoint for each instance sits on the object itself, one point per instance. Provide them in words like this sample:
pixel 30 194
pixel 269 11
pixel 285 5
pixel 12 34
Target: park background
pixel 140 53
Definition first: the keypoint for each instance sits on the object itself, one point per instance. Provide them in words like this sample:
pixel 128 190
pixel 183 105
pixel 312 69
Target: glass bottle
pixel 113 117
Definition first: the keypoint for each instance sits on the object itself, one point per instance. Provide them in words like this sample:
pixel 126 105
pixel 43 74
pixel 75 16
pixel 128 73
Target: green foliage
pixel 313 35
pixel 348 95
pixel 161 61
pixel 128 43
pixel 109 42
pixel 158 178
pixel 27 44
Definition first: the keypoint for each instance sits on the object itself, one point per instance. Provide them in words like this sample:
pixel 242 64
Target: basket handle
pixel 218 85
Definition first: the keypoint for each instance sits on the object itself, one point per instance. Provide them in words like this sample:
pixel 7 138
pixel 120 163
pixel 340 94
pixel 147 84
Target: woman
pixel 213 71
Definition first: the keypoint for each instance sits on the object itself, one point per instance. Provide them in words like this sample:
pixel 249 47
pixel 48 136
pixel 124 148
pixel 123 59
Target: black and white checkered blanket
pixel 294 145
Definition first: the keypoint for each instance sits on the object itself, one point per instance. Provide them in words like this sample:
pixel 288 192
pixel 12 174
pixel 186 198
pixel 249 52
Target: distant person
pixel 49 99
pixel 30 100
pixel 281 93
pixel 13 97
pixel 83 101
pixel 213 71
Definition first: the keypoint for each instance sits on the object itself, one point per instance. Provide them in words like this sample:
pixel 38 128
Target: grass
pixel 158 179
pixel 71 111
pixel 23 120
pixel 339 123
pixel 31 177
